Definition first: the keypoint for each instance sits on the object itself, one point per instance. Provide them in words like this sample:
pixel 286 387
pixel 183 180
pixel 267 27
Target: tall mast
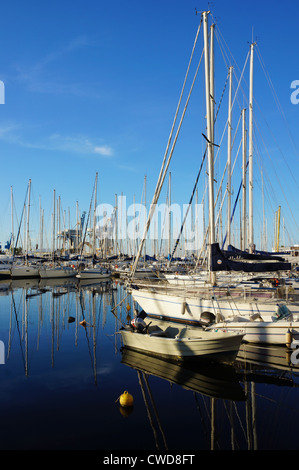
pixel 28 212
pixel 12 224
pixel 209 136
pixel 53 240
pixel 250 156
pixel 212 100
pixel 94 216
pixel 278 229
pixel 229 155
pixel 244 171
pixel 169 214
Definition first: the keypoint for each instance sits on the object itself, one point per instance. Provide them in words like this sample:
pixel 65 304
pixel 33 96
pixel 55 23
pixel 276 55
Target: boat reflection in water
pixel 233 391
pixel 210 379
pixel 55 364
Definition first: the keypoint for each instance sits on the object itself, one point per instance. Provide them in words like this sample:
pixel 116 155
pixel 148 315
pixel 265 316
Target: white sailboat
pixel 94 271
pixel 267 315
pixel 25 270
pixel 52 270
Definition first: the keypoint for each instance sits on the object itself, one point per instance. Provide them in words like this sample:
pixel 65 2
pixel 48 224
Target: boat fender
pixel 255 317
pixel 183 307
pixel 288 338
pixel 207 318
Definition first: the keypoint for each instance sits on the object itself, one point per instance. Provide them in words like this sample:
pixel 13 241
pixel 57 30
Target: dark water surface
pixel 61 382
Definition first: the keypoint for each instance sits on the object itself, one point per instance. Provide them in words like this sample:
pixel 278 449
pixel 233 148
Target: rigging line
pixel 283 116
pixel 145 378
pixel 17 239
pixel 178 106
pixel 225 47
pixel 235 65
pixel 167 209
pixel 149 413
pixel 280 184
pixel 159 187
pixel 188 208
pixel 220 208
pixel 234 208
pixel 235 96
pixel 276 98
pixel 88 216
pixel 18 328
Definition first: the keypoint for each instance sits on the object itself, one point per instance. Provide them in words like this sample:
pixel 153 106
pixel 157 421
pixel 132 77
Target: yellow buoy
pixel 126 399
pixel 128 307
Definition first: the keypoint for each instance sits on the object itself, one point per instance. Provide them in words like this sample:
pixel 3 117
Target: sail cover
pixel 224 262
pixel 233 252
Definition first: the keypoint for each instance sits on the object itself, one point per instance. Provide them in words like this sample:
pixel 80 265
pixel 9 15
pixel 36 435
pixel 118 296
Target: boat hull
pixel 232 314
pixel 51 273
pixel 265 332
pixel 220 346
pixel 93 274
pixel 18 272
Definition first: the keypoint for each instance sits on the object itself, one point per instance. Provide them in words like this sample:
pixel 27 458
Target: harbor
pixel 149 253
pixel 62 380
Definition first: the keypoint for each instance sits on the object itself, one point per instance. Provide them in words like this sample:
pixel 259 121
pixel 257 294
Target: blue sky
pixel 92 86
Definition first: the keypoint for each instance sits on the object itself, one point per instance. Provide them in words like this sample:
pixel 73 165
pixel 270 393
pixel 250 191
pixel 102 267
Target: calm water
pixel 61 382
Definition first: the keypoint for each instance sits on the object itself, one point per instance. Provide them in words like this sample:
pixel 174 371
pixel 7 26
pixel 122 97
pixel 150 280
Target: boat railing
pixel 240 291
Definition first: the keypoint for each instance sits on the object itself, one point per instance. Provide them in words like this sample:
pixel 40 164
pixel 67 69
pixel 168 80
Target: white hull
pixel 93 274
pixel 24 271
pixel 264 332
pixel 59 272
pixel 5 273
pixel 187 344
pixel 233 313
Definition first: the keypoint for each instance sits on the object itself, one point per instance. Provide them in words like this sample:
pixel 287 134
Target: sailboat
pixel 25 270
pixel 94 271
pixel 267 315
pixel 52 270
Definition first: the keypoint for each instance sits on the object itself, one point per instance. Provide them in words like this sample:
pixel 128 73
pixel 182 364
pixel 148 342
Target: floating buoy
pixel 126 400
pixel 83 323
pixel 128 307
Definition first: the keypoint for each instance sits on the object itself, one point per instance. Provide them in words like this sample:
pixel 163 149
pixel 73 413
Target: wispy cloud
pixel 42 77
pixel 74 144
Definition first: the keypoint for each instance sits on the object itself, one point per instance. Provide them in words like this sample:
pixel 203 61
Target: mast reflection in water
pixel 65 368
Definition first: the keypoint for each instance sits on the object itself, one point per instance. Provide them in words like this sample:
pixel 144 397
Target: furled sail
pixel 233 252
pixel 221 261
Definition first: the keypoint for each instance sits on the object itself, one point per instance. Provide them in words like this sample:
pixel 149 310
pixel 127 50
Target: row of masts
pixel 210 100
pixel 246 224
